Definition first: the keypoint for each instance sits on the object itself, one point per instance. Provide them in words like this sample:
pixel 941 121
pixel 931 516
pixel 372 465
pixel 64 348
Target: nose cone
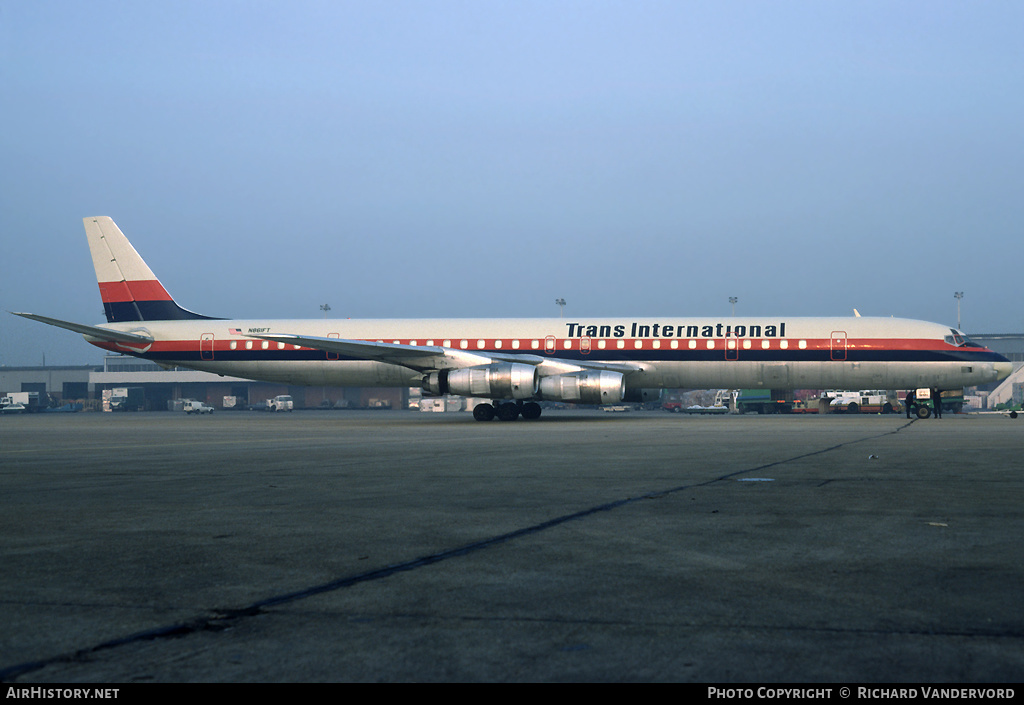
pixel 1003 369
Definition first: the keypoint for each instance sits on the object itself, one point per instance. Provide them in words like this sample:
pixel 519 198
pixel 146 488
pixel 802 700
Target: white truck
pixel 196 407
pixel 8 405
pixel 864 401
pixel 20 402
pixel 282 402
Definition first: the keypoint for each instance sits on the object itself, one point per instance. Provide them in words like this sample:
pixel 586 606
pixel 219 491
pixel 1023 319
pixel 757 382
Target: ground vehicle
pixel 864 401
pixel 127 399
pixel 697 409
pixel 197 407
pixel 19 402
pixel 9 406
pixel 282 402
pixel 952 400
pixel 765 401
pixel 801 406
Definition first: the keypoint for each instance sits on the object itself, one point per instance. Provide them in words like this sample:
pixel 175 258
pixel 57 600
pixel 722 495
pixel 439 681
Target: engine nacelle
pixel 590 387
pixel 502 380
pixel 642 395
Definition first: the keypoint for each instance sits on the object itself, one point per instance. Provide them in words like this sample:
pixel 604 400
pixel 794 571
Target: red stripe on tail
pixel 146 290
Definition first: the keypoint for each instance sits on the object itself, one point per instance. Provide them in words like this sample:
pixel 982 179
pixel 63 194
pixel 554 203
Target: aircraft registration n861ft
pixel 519 362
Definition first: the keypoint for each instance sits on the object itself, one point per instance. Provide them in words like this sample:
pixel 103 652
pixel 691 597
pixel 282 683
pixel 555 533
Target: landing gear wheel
pixel 508 412
pixel 531 410
pixel 483 412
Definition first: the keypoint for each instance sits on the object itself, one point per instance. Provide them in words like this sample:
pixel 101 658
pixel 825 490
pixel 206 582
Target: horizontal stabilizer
pixel 114 336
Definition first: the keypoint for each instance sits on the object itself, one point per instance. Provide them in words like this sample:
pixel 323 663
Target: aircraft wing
pixel 114 336
pixel 426 358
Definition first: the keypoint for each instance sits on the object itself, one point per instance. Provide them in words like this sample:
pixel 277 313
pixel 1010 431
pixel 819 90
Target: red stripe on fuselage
pixel 629 345
pixel 143 290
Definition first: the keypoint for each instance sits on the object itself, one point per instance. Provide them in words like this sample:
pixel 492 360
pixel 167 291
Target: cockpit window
pixel 960 339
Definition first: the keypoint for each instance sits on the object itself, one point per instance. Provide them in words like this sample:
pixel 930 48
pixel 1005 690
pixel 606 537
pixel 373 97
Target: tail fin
pixel 128 287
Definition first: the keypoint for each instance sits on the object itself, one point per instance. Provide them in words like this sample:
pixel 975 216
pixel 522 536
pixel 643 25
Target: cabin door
pixel 206 346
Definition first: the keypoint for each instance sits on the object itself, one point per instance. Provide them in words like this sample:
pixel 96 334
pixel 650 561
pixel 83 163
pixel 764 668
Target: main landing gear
pixel 507 411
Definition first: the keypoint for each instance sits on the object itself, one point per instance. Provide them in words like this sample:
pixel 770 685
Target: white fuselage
pixel 776 353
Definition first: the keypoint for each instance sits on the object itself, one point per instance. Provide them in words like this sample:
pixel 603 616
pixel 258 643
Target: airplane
pixel 518 363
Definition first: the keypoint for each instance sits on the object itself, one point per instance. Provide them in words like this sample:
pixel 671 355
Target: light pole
pixel 733 300
pixel 958 295
pixel 325 308
pixel 561 307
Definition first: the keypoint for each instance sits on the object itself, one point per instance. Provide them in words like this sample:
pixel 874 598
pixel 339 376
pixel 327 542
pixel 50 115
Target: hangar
pixel 86 383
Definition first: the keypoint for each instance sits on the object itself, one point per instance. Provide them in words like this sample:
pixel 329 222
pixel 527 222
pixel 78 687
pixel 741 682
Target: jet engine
pixel 501 380
pixel 590 387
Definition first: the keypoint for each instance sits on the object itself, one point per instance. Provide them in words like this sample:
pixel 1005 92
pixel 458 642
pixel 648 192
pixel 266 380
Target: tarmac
pixel 400 546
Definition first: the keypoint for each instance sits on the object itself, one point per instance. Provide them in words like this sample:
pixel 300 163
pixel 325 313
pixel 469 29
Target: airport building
pixel 87 383
pixel 1009 345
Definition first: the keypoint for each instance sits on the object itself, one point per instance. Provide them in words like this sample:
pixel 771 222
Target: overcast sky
pixel 481 159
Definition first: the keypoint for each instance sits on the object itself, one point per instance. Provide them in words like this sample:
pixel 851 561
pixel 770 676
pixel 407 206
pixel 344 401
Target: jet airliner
pixel 517 363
